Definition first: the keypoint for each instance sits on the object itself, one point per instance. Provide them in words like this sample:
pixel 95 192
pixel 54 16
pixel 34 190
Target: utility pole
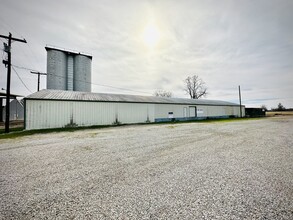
pixel 8 63
pixel 38 73
pixel 240 102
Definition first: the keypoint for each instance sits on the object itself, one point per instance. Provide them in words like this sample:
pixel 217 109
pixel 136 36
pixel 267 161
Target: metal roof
pixel 50 47
pixel 103 97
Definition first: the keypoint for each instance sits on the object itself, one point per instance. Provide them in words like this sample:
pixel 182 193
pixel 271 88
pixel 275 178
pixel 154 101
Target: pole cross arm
pixel 14 39
pixel 34 72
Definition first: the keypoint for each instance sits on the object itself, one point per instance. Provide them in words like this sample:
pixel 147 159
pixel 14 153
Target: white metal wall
pixel 162 110
pixel 55 114
pixel 40 114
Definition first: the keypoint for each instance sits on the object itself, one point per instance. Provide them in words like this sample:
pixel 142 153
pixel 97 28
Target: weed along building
pixel 57 109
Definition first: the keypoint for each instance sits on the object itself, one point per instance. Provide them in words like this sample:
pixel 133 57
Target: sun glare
pixel 151 35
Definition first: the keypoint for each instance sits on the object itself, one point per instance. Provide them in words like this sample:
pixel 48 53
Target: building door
pixel 192 111
pixel 185 112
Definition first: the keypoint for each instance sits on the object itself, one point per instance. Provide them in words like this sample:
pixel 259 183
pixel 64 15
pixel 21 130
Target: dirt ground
pixel 279 113
pixel 218 170
pixel 13 124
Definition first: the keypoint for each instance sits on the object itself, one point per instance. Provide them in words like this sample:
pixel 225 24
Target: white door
pixel 185 112
pixel 192 112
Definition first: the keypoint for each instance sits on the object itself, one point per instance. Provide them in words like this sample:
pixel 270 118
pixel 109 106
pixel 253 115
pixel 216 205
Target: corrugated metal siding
pixel 134 113
pixel 68 70
pixel 162 110
pixel 70 73
pixel 56 70
pixel 82 73
pixel 52 114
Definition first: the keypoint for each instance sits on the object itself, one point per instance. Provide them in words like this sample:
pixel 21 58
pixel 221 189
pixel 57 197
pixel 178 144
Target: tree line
pixel 280 107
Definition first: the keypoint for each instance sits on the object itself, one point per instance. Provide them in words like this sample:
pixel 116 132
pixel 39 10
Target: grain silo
pixel 56 69
pixel 82 73
pixel 68 70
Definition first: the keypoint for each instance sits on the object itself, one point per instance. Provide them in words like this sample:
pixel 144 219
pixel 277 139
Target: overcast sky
pixel 226 43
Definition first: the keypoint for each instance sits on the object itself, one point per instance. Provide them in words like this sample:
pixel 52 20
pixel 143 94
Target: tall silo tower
pixel 68 70
pixel 82 73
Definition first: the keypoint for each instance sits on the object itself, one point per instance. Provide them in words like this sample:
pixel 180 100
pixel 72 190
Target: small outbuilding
pixel 255 112
pixel 57 109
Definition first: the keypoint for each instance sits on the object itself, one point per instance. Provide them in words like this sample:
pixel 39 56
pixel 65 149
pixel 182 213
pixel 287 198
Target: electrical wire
pixel 21 80
pixel 35 57
pixel 32 52
pixel 24 68
pixel 96 84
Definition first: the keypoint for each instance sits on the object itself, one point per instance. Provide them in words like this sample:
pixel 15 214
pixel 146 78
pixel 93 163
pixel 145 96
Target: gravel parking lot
pixel 219 170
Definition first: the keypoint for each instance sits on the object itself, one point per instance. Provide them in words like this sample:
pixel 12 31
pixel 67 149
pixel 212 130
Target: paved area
pixel 231 170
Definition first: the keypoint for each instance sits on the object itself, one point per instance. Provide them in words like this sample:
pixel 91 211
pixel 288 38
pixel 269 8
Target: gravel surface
pixel 222 170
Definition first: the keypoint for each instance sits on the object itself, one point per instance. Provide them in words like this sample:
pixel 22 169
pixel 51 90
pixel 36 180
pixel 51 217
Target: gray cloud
pixel 247 43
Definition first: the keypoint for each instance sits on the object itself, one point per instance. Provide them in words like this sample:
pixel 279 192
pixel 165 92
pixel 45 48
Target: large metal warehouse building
pixel 57 109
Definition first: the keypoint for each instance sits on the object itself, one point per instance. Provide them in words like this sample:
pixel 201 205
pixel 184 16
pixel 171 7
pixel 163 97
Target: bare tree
pixel 163 93
pixel 264 107
pixel 195 87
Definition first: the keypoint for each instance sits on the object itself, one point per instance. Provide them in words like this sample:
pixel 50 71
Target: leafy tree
pixel 281 107
pixel 195 87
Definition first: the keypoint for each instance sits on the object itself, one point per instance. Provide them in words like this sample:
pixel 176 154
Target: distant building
pixel 16 107
pixel 16 110
pixel 255 112
pixel 68 70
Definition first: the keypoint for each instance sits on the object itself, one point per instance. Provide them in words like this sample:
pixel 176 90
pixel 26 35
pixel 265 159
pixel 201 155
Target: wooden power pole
pixel 240 102
pixel 7 49
pixel 38 73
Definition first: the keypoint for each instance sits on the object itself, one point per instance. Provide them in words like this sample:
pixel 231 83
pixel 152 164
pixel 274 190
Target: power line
pixel 96 84
pixel 32 52
pixel 24 68
pixel 39 74
pixel 21 80
pixel 8 27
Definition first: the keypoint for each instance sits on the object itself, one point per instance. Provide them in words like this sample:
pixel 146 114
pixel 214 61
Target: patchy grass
pixel 2 130
pixel 230 119
pixel 211 120
pixel 19 132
